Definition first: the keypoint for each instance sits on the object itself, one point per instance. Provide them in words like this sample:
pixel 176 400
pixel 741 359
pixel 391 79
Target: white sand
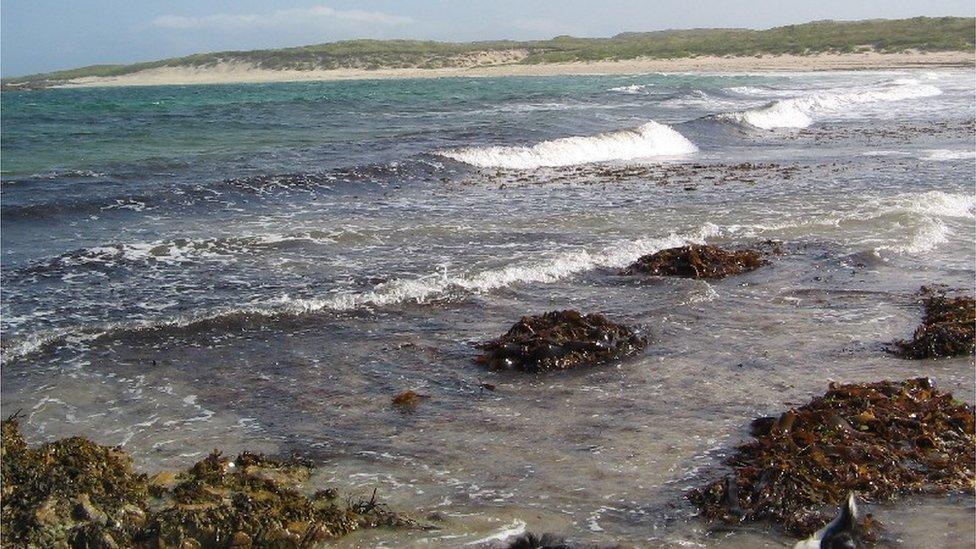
pixel 231 73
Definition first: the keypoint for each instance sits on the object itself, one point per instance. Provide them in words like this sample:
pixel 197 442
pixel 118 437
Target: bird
pixel 840 533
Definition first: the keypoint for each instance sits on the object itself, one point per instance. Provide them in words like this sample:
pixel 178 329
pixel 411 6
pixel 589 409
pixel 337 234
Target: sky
pixel 44 35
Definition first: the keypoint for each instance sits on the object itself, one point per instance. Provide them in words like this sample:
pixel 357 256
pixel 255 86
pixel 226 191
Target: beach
pixel 344 268
pixel 500 65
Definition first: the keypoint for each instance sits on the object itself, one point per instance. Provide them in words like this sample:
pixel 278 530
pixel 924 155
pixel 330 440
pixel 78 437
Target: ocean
pixel 264 266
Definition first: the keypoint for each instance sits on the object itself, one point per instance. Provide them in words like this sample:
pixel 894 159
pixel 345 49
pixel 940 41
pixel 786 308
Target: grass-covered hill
pixel 919 33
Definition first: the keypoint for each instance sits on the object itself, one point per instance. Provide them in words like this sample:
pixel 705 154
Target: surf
pixel 648 140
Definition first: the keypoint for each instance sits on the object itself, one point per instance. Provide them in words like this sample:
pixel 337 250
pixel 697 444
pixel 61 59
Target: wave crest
pixel 799 112
pixel 425 289
pixel 649 140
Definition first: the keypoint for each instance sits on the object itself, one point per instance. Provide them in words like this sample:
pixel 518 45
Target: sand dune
pixel 231 73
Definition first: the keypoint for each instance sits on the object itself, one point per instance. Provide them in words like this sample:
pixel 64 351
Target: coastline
pixel 237 73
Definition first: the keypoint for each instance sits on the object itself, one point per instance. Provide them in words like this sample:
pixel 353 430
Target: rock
pixel 163 479
pixel 560 340
pixel 697 261
pixel 86 510
pixel 948 328
pixel 47 513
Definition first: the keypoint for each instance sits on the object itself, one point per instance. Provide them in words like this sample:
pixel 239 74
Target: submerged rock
pixel 876 439
pixel 948 328
pixel 697 261
pixel 559 340
pixel 75 492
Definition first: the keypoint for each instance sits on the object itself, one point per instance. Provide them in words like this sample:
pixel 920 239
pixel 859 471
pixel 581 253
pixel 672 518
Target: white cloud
pixel 302 17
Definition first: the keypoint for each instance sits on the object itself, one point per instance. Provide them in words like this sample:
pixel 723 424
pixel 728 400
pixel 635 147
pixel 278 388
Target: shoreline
pixel 238 73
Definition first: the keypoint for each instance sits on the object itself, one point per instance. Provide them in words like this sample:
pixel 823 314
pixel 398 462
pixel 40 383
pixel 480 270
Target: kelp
pixel 948 327
pixel 408 400
pixel 531 540
pixel 559 340
pixel 879 440
pixel 78 493
pixel 697 261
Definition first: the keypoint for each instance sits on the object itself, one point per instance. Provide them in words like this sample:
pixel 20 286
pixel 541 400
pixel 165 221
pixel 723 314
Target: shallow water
pixel 265 266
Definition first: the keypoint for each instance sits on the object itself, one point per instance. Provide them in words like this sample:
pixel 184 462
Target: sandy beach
pixel 237 73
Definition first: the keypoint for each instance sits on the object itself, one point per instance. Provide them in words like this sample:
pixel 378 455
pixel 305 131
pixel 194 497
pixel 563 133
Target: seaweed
pixel 408 400
pixel 75 492
pixel 880 440
pixel 530 540
pixel 559 340
pixel 59 492
pixel 697 261
pixel 948 327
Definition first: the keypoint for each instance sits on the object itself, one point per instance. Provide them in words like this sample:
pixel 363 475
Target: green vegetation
pixel 919 33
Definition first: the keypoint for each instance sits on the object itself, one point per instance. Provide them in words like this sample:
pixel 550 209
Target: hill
pixel 923 34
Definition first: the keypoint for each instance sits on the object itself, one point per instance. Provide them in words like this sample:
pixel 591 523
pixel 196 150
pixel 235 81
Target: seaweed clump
pixel 75 492
pixel 876 439
pixel 72 491
pixel 697 261
pixel 948 328
pixel 560 340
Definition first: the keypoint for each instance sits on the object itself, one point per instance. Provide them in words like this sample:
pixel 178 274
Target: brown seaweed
pixel 948 328
pixel 697 261
pixel 75 492
pixel 879 440
pixel 559 340
pixel 408 399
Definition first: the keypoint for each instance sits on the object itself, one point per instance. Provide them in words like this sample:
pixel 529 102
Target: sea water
pixel 264 266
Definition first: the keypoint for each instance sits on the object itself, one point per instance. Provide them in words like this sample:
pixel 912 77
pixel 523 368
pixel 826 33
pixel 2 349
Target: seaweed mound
pixel 70 491
pixel 876 439
pixel 697 261
pixel 74 492
pixel 948 328
pixel 559 340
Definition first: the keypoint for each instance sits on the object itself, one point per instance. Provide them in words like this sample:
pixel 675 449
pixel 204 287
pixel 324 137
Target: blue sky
pixel 43 35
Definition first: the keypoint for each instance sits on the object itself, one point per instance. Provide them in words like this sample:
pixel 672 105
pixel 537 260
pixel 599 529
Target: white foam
pixel 557 266
pixel 800 112
pixel 632 89
pixel 934 203
pixel 516 528
pixel 944 155
pixel 649 140
pixel 927 237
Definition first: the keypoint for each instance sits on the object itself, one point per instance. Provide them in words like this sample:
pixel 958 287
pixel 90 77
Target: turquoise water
pixel 264 266
pixel 90 129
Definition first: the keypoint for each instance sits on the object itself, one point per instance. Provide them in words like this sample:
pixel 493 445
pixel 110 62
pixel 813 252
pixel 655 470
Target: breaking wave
pixel 172 252
pixel 800 112
pixel 649 140
pixel 425 289
pixel 632 89
pixel 945 155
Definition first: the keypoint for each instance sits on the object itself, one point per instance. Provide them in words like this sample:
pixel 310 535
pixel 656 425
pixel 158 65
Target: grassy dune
pixel 887 36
